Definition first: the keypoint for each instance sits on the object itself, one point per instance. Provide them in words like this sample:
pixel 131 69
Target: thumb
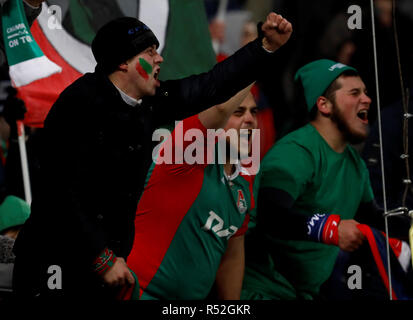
pixel 130 278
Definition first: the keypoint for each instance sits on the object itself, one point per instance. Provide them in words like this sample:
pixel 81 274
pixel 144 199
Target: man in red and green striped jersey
pixel 191 219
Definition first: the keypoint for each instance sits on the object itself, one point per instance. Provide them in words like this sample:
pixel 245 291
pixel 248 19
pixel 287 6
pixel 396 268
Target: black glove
pixel 14 109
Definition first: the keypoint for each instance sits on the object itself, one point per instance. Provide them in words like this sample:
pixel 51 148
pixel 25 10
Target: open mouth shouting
pixel 363 115
pixel 156 76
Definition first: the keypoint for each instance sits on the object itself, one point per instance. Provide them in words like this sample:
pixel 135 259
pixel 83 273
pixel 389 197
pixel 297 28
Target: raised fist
pixel 277 30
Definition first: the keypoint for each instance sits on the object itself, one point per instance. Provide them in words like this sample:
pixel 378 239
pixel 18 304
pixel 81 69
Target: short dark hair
pixel 330 92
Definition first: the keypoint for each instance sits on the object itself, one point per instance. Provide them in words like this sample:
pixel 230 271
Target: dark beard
pixel 349 135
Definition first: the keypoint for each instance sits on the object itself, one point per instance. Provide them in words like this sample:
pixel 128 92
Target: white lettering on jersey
pixel 218 228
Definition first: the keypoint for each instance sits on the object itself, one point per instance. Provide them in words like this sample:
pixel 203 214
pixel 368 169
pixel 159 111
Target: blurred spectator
pixel 13 213
pixel 337 42
pixel 389 79
pixel 249 32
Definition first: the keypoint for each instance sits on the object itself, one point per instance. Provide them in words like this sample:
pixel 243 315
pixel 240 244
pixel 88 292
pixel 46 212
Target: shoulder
pixel 299 143
pixel 357 159
pixel 85 87
pixel 82 99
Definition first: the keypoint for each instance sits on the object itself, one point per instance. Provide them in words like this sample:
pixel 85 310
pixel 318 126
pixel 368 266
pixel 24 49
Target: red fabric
pixel 104 261
pixel 396 245
pixel 153 236
pixel 376 255
pixel 221 57
pixel 330 230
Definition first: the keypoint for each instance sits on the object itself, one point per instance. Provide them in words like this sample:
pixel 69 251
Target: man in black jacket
pixel 96 151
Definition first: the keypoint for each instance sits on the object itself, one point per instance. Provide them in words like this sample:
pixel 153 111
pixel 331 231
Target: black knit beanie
pixel 120 40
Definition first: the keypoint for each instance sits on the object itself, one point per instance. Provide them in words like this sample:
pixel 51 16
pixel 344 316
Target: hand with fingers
pixel 350 237
pixel 119 274
pixel 277 30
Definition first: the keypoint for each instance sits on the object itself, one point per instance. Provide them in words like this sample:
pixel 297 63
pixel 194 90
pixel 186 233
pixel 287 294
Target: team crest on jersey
pixel 241 202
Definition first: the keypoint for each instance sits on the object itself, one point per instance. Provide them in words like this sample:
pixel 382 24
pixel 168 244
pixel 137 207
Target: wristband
pixel 323 228
pixel 330 230
pixel 104 261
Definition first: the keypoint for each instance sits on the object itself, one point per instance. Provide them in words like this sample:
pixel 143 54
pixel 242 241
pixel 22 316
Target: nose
pixel 158 59
pixel 365 99
pixel 249 119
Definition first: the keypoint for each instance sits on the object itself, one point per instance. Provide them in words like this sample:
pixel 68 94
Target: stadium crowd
pixel 133 199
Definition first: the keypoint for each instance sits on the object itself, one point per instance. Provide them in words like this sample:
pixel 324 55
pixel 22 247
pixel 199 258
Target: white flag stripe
pixel 28 71
pixel 76 53
pixel 155 13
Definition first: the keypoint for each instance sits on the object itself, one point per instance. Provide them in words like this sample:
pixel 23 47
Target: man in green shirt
pixel 311 185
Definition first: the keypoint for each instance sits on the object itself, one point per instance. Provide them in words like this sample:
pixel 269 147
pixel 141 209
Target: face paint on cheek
pixel 144 68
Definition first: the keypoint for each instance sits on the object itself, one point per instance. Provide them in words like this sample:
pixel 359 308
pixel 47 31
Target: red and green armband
pixel 104 261
pixel 323 228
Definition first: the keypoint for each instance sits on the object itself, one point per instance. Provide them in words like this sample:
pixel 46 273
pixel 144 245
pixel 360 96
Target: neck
pixel 12 233
pixel 229 168
pixel 330 133
pixel 124 84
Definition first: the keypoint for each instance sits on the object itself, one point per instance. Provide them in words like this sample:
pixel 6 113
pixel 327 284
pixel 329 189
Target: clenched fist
pixel 350 237
pixel 277 30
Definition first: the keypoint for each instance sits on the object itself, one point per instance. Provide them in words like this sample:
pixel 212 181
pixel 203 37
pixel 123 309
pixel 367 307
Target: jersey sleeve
pixel 241 231
pixel 288 167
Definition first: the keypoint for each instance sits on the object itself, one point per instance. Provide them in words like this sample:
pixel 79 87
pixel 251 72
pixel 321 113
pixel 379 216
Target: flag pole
pixel 385 214
pixel 24 162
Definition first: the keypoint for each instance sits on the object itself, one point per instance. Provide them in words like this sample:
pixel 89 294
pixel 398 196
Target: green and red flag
pixel 26 60
pixel 65 29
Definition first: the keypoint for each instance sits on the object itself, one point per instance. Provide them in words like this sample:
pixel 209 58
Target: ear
pixel 123 67
pixel 324 106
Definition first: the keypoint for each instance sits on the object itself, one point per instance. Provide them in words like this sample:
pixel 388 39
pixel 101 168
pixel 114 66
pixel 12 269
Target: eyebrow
pixel 358 90
pixel 244 108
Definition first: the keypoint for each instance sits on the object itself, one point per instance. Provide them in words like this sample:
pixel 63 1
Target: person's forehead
pixel 348 83
pixel 249 101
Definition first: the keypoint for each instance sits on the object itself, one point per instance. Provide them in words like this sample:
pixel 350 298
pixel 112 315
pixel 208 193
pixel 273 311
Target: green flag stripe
pixel 188 48
pixel 18 41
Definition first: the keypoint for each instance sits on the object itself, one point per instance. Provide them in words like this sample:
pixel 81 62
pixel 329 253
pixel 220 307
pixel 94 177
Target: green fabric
pixel 188 49
pixel 13 212
pixel 135 291
pixel 320 181
pixel 18 41
pixel 193 274
pixel 317 76
pixel 81 15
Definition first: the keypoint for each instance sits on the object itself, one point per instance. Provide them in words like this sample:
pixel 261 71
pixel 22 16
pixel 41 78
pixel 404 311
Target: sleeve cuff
pixel 323 228
pixel 104 261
